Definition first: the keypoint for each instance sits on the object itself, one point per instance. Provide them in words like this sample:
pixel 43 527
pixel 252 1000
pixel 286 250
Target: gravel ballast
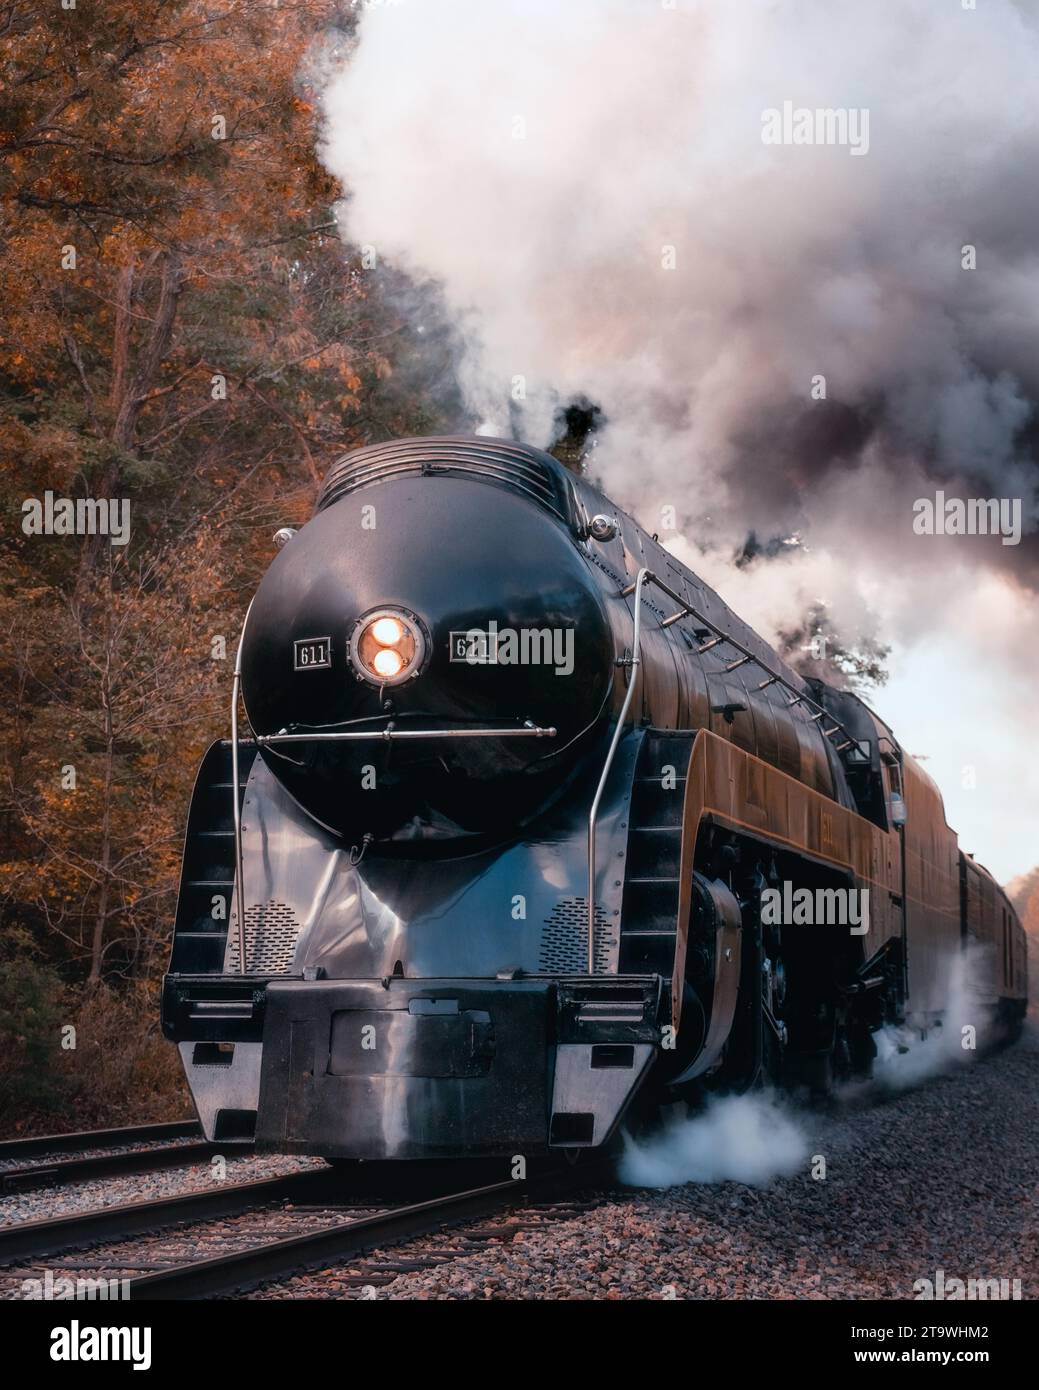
pixel 945 1176
pixel 941 1177
pixel 49 1203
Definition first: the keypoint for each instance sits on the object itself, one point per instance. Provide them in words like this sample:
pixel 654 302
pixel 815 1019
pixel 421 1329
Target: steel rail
pixel 224 1274
pixel 97 1138
pixel 103 1165
pixel 110 1224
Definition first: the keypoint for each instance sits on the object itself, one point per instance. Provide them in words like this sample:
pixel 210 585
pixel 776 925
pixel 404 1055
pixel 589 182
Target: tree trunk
pixel 152 353
pixel 97 944
pixel 121 336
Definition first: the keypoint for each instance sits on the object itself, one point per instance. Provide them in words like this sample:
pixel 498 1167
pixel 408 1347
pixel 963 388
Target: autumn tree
pixel 183 330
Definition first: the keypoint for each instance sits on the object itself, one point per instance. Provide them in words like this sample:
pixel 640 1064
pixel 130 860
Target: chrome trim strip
pixel 390 734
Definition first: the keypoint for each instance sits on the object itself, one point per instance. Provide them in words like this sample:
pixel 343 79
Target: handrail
pixel 390 734
pixel 236 688
pixel 721 637
pixel 633 663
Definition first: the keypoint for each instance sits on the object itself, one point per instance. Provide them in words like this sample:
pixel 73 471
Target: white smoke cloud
pixel 545 163
pixel 749 1139
pixel 905 1058
pixel 756 1137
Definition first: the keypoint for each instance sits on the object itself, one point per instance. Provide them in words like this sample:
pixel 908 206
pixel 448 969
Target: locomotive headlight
pixel 387 632
pixel 387 647
pixel 386 663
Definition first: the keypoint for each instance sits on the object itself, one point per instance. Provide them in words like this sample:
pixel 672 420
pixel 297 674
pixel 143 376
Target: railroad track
pixel 146 1160
pixel 335 1229
pixel 56 1234
pixel 88 1139
pixel 160 1150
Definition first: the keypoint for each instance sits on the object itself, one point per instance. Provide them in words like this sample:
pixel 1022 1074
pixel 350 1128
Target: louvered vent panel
pixel 495 461
pixel 564 940
pixel 271 932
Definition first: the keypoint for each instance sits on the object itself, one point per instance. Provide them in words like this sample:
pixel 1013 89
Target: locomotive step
pixel 657 806
pixel 654 857
pixel 650 953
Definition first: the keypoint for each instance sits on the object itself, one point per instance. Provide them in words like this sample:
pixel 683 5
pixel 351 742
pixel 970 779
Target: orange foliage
pixel 182 329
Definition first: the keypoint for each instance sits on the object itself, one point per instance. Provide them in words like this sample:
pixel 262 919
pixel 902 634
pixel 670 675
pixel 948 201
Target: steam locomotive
pixel 531 835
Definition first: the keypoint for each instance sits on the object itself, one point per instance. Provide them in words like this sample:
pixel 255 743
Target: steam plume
pixel 546 164
pixel 748 1139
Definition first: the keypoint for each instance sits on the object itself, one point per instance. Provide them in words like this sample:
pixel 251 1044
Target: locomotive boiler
pixel 530 835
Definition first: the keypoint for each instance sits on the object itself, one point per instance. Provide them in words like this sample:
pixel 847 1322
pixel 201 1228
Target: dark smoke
pixel 588 187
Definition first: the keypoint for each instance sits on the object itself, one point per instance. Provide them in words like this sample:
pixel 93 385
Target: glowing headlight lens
pixel 386 647
pixel 387 632
pixel 387 663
